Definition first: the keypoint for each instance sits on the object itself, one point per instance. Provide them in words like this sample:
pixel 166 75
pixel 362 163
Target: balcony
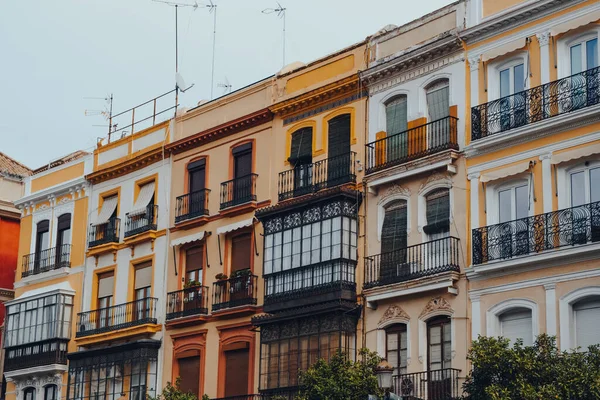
pixel 141 222
pixel 46 260
pixel 187 302
pixel 191 205
pixel 310 178
pixel 552 99
pixel 317 283
pixel 235 292
pixel 413 262
pixel 107 232
pixel 126 315
pixel 38 354
pixel 412 144
pixel 532 235
pixel 441 384
pixel 238 191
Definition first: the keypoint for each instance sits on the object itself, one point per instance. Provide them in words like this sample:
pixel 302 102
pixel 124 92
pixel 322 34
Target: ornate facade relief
pixel 436 304
pixel 393 312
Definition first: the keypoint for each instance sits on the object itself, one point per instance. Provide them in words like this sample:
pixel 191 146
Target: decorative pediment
pixel 436 304
pixel 393 312
pixel 436 178
pixel 395 190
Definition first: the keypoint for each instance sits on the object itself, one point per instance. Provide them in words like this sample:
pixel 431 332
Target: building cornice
pixel 510 20
pixel 229 128
pixel 317 97
pixel 382 73
pixel 123 168
pixel 73 186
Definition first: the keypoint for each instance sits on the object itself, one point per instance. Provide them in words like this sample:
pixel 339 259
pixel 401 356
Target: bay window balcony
pixel 107 319
pixel 46 260
pixel 563 96
pixel 569 227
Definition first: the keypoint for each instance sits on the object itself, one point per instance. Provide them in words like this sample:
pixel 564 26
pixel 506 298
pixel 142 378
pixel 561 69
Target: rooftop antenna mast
pixel 280 11
pixel 212 9
pixel 178 78
pixel 106 113
pixel 225 85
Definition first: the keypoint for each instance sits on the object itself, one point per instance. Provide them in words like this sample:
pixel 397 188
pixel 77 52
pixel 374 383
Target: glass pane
pixel 591 53
pixel 396 116
pixel 392 341
pixel 435 334
pixel 595 185
pixel 504 83
pixel 435 351
pixel 576 66
pixel 519 83
pixel 438 103
pixel 522 201
pixel 505 205
pixel 577 189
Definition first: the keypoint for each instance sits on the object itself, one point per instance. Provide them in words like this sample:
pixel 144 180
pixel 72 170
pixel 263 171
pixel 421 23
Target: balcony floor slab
pixel 117 334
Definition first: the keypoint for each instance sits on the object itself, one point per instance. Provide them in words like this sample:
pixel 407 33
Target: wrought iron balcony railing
pixel 126 315
pixel 188 301
pixel 235 292
pixel 37 354
pixel 46 260
pixel 413 262
pixel 238 191
pixel 104 233
pixel 243 397
pixel 568 227
pixel 141 222
pixel 310 178
pixel 191 205
pixel 421 141
pixel 441 384
pixel 559 97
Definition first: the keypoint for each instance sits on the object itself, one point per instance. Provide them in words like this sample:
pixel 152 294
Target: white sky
pixel 56 53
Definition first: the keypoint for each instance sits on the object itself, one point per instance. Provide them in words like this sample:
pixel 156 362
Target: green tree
pixel 538 372
pixel 341 378
pixel 174 392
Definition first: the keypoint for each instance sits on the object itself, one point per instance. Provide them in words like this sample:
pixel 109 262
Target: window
pixel 50 392
pixel 438 100
pixel 439 343
pixel 29 393
pixel 396 115
pixel 138 382
pixel 143 290
pixel 142 212
pixel 42 238
pixel 513 203
pixel 437 213
pixel 242 187
pixel 108 210
pixel 584 185
pixel 512 80
pixel 189 372
pixel 517 324
pixel 106 283
pixel 583 56
pixel 301 159
pixel 587 322
pixel 63 234
pixel 197 175
pixel 39 319
pixel 393 232
pixel 241 252
pixel 237 362
pixel 242 160
pixel 194 261
pixel 339 159
pixel 396 348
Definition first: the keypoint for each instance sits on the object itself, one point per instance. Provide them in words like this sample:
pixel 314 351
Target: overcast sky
pixel 57 55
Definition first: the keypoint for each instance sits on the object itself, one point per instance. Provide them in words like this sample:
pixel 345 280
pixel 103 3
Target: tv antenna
pixel 178 78
pixel 106 112
pixel 212 9
pixel 280 12
pixel 225 85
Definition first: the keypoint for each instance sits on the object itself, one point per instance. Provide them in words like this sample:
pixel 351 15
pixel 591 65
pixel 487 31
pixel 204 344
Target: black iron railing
pixel 309 178
pixel 441 384
pixel 188 301
pixel 141 222
pixel 191 205
pixel 398 148
pixel 107 232
pixel 235 292
pixel 536 104
pixel 46 260
pixel 569 227
pixel 45 352
pixel 265 396
pixel 413 262
pixel 134 313
pixel 238 191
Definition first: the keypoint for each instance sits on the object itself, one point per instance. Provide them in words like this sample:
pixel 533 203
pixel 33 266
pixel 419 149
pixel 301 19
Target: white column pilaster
pixel 381 342
pixel 547 181
pixel 474 178
pixel 474 65
pixel 544 39
pixel 475 317
pixel 550 308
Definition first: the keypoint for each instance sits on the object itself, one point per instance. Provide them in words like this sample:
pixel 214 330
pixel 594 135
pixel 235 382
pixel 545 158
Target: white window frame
pixel 567 314
pixel 494 69
pixel 492 193
pixel 493 326
pixel 563 180
pixel 423 91
pixel 564 49
pixel 381 207
pixel 422 211
pixel 381 335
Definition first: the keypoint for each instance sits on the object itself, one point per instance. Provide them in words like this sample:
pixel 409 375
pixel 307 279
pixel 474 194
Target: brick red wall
pixel 9 247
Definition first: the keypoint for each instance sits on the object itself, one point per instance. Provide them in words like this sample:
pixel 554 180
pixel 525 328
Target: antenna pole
pixel 212 78
pixel 110 115
pixel 284 38
pixel 176 61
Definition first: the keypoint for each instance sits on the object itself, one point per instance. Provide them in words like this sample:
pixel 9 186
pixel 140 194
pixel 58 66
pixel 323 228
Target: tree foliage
pixel 538 372
pixel 341 378
pixel 174 392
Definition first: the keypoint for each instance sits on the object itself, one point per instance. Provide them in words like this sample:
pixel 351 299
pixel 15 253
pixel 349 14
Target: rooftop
pixel 12 167
pixel 63 160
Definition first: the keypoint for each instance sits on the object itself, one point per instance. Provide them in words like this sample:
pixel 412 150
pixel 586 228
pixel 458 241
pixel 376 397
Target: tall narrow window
pixel 138 381
pixel 393 241
pixel 438 100
pixel 587 322
pixel 585 185
pixel 243 186
pixel 440 343
pixel 301 159
pixel 513 203
pixel 237 362
pixel 512 104
pixel 584 56
pixel 197 175
pixel 143 290
pixel 194 261
pixel 29 393
pixel 42 243
pixel 106 284
pixel 397 348
pixel 189 372
pixel 338 164
pixel 63 239
pixel 438 214
pixel 517 324
pixel 396 123
pixel 50 392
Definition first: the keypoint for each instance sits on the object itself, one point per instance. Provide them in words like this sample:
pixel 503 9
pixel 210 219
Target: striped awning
pixel 143 199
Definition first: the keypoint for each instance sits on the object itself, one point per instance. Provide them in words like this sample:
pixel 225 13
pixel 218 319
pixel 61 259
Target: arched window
pixel 394 241
pixel 29 393
pixel 437 95
pixel 396 115
pixel 439 343
pixel 396 347
pixel 50 392
pixel 586 315
pixel 517 323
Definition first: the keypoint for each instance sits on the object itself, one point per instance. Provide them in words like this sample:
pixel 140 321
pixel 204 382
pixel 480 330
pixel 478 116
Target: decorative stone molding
pixel 394 190
pixel 436 304
pixel 543 38
pixel 38 382
pixel 393 312
pixel 436 177
pixel 474 62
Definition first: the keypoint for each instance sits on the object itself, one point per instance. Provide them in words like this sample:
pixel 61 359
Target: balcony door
pixel 439 358
pixel 396 125
pixel 197 184
pixel 106 283
pixel 394 242
pixel 437 229
pixel 396 349
pixel 585 203
pixel 242 168
pixel 301 160
pixel 63 240
pixel 143 291
pixel 438 109
pixel 512 104
pixel 338 163
pixel 513 230
pixel 42 244
pixel 241 257
pixel 584 89
pixel 194 264
pixel 189 372
pixel 237 362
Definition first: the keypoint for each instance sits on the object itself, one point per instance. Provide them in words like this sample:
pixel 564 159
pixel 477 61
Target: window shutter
pixel 517 324
pixel 339 135
pixel 396 116
pixel 438 100
pixel 301 150
pixel 189 372
pixel 438 212
pixel 143 276
pixel 106 283
pixel 240 252
pixel 64 222
pixel 587 323
pixel 193 258
pixel 393 233
pixel 236 372
pixel 43 226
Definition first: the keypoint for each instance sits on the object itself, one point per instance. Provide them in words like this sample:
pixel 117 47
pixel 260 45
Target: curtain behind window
pixel 396 115
pixel 438 100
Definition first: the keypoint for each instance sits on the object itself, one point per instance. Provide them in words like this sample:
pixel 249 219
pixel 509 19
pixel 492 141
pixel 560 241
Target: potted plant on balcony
pixel 241 272
pixel 221 276
pixel 191 283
